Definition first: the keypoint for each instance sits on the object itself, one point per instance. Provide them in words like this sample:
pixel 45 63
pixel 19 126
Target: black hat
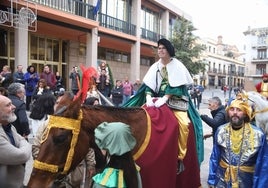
pixel 168 45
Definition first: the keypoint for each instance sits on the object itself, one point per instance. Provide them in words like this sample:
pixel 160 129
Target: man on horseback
pixel 238 150
pixel 165 83
pixel 262 87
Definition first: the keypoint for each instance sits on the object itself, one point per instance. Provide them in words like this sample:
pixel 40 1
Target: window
pixel 115 8
pixel 12 45
pixel 41 49
pixel 260 68
pixel 262 53
pixel 109 55
pixel 45 49
pixel 34 47
pixel 118 56
pixel 49 50
pixel 172 23
pixel 7 50
pixel 147 61
pixel 113 55
pixel 3 43
pixel 125 58
pixel 262 39
pixel 64 51
pixel 150 20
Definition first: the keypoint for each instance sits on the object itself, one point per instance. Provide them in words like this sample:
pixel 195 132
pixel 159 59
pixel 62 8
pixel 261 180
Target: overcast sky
pixel 228 18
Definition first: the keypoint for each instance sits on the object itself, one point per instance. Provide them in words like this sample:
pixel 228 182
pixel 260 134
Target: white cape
pixel 177 75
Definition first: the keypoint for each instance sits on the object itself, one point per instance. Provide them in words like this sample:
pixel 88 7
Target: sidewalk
pixel 208 143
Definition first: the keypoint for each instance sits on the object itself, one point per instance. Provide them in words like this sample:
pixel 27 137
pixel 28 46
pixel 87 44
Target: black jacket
pixel 218 118
pixel 22 123
pixel 117 95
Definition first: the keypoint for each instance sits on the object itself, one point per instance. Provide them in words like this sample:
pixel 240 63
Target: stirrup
pixel 180 167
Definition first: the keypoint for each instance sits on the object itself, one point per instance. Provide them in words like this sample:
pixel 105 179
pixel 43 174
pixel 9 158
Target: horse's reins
pixel 66 123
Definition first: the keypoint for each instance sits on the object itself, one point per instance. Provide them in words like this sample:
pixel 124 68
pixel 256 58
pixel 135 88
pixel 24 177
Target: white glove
pixel 149 101
pixel 161 101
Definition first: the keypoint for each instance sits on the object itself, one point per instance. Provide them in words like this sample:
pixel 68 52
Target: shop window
pixel 45 49
pixel 125 58
pixel 34 47
pixel 41 49
pixel 109 55
pixel 117 56
pixel 56 50
pixel 49 50
pixel 64 51
pixel 3 43
pixel 12 45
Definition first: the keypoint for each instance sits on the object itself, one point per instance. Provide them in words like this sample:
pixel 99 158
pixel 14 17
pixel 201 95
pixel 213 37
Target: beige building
pixel 256 45
pixel 65 33
pixel 223 65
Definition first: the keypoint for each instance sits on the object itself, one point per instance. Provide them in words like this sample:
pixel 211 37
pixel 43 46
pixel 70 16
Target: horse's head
pixel 257 100
pixel 60 142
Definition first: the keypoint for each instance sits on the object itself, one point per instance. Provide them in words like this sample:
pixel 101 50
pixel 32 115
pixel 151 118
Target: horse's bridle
pixel 65 123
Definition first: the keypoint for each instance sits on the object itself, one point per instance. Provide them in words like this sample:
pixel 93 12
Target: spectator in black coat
pixel 16 93
pixel 41 89
pixel 117 93
pixel 218 113
pixel 92 101
pixel 18 76
pixel 6 77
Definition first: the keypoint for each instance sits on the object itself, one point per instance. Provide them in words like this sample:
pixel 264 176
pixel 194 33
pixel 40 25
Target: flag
pixel 96 8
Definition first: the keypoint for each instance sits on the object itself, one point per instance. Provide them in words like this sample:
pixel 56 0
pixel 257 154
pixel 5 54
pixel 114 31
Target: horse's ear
pixel 78 99
pixel 73 110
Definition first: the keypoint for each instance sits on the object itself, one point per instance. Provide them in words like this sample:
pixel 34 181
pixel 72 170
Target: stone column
pixel 135 49
pixel 92 48
pixel 165 23
pixel 21 48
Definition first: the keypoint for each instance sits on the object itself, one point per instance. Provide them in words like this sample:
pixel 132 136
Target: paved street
pixel 208 93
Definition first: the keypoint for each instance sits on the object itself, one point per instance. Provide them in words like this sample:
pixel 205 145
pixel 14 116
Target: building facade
pixel 256 45
pixel 65 33
pixel 223 65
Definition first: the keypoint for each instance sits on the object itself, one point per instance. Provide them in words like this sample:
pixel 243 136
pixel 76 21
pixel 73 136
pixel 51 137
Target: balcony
pixel 86 10
pixel 75 7
pixel 212 71
pixel 242 74
pixel 259 59
pixel 149 35
pixel 116 24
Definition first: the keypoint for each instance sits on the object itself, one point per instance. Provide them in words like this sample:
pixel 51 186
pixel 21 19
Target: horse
pixel 70 133
pixel 260 106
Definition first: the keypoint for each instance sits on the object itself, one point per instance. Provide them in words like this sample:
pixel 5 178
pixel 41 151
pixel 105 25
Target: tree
pixel 186 48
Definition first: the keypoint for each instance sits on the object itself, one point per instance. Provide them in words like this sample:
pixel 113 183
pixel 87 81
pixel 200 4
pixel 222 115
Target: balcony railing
pixel 75 7
pixel 242 74
pixel 149 35
pixel 116 24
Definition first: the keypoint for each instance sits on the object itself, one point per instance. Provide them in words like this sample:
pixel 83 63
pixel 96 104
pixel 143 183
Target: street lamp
pixel 231 72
